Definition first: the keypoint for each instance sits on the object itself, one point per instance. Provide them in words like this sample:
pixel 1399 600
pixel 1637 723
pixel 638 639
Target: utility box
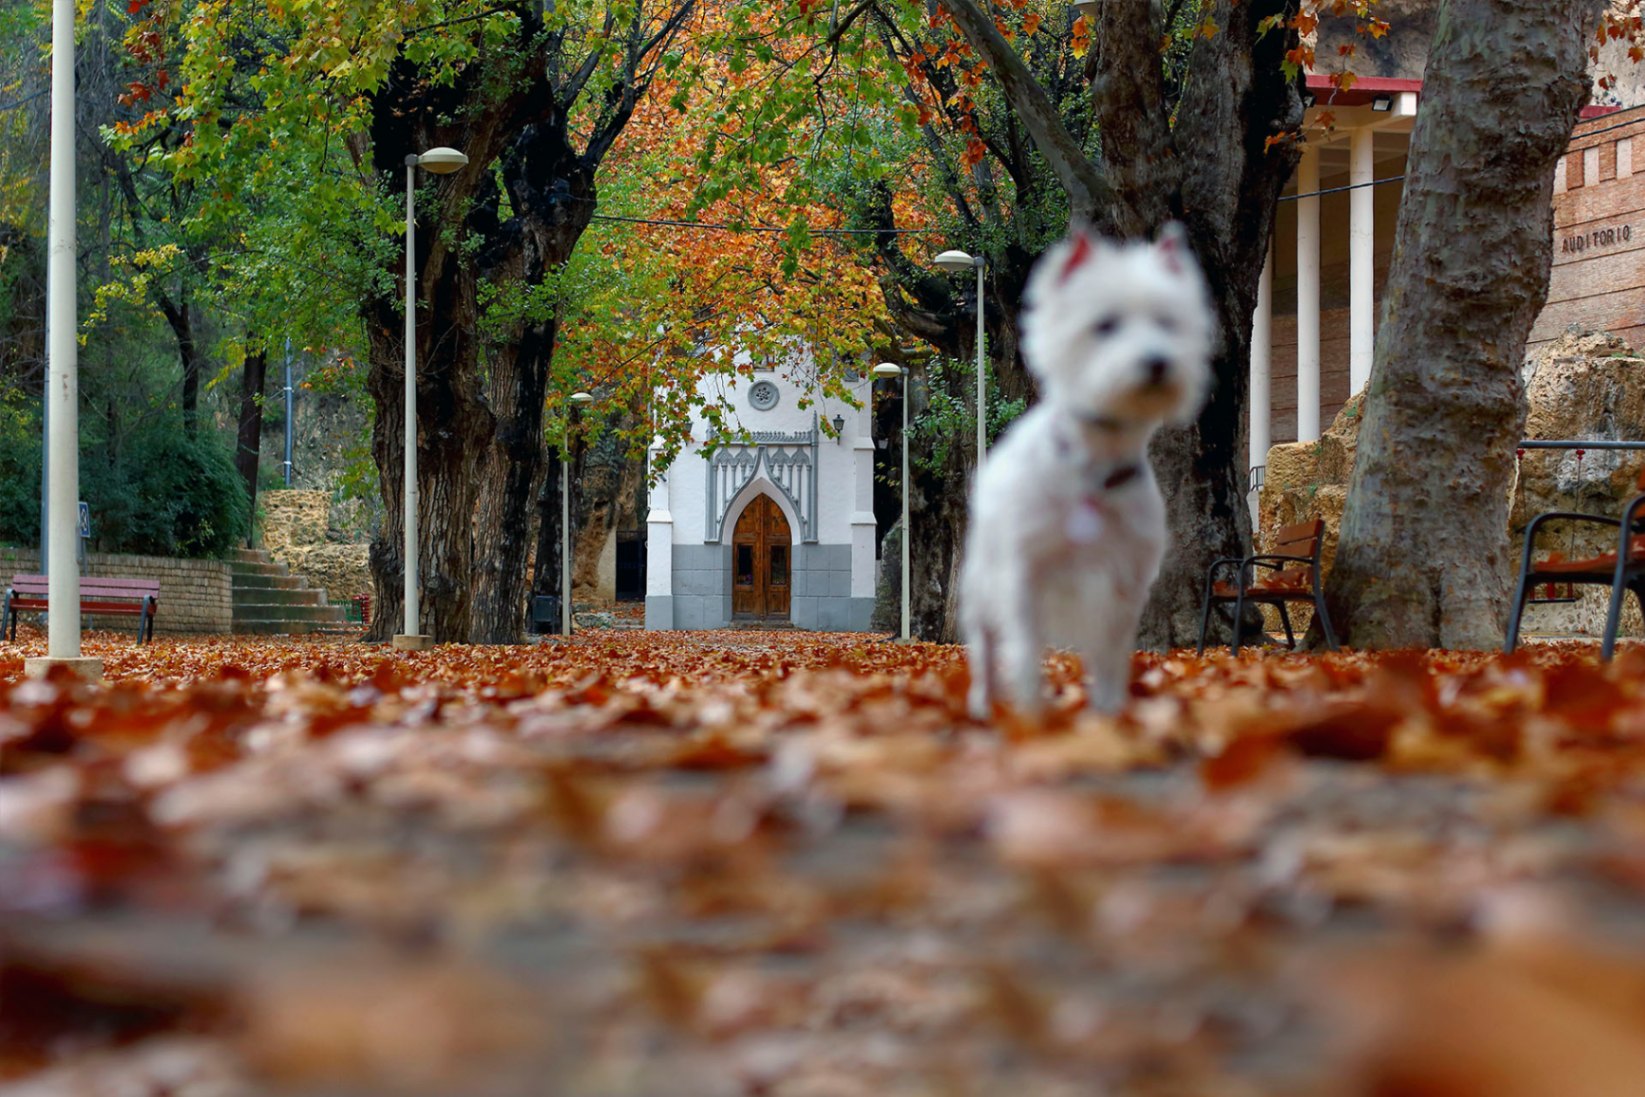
pixel 545 614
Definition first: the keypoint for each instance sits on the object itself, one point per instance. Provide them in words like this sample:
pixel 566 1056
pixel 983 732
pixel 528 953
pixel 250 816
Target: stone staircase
pixel 270 601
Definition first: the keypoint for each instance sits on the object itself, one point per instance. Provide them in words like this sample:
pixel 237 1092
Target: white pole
pixel 982 383
pixel 907 535
pixel 63 439
pixel 565 534
pixel 1308 296
pixel 288 413
pixel 1361 258
pixel 411 607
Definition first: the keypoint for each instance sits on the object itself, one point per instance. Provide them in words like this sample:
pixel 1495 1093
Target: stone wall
pixel 196 596
pixel 1582 385
pixel 297 533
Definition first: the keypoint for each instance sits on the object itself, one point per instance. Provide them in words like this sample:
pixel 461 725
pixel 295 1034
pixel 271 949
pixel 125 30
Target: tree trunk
pixel 1214 168
pixel 1423 555
pixel 1217 172
pixel 180 316
pixel 249 443
pixel 482 378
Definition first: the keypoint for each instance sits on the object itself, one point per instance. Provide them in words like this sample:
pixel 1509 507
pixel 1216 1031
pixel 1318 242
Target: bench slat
pixel 115 588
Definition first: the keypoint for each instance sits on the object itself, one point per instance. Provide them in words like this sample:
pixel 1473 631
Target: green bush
pixel 19 472
pixel 167 493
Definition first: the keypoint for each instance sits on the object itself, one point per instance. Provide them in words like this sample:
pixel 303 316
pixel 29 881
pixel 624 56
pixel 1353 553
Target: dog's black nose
pixel 1156 369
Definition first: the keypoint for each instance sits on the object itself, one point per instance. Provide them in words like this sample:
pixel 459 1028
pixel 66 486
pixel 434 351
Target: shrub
pixel 168 493
pixel 19 472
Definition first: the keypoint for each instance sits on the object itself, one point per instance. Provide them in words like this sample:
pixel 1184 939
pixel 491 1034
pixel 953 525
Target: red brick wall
pixel 1599 232
pixel 1597 284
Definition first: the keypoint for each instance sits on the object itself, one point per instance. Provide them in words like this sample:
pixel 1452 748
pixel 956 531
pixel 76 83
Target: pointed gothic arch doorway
pixel 761 562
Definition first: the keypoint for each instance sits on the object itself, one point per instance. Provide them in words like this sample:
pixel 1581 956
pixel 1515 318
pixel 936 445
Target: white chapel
pixel 770 525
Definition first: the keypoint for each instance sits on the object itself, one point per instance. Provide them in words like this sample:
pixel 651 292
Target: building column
pixel 659 549
pixel 1260 407
pixel 1308 296
pixel 1362 324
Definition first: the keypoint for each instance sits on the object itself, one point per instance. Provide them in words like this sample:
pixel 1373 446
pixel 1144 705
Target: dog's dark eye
pixel 1108 325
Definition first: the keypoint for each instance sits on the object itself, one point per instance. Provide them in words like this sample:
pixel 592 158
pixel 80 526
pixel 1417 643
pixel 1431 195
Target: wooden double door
pixel 761 562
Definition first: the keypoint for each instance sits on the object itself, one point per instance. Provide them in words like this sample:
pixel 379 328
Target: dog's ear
pixel 1172 246
pixel 1082 244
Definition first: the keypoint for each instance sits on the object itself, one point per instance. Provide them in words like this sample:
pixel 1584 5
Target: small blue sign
pixel 85 519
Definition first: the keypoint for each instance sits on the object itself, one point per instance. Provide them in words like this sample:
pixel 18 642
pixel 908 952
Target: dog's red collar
pixel 1121 476
pixel 1117 477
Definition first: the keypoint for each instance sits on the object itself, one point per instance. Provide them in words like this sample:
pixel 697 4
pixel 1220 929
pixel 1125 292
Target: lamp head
pixel 442 161
pixel 581 398
pixel 886 369
pixel 955 260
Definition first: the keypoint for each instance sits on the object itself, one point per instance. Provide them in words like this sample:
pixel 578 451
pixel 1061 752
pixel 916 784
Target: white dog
pixel 1067 523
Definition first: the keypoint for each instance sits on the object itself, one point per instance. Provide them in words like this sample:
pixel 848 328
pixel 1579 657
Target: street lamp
pixel 62 442
pixel 440 161
pixel 887 369
pixel 578 400
pixel 958 261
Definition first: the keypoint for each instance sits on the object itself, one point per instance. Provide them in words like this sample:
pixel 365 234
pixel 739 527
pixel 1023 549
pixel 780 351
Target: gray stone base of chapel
pixel 820 591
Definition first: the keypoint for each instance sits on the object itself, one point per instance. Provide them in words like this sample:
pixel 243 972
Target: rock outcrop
pixel 297 532
pixel 1581 386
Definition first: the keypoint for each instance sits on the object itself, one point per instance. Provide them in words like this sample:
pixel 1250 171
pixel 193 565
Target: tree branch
pixel 1089 195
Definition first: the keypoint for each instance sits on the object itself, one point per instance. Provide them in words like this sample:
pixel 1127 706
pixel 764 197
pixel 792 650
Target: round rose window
pixel 763 396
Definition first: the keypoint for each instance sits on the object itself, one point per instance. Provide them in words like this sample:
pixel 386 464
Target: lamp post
pixel 958 261
pixel 440 161
pixel 887 369
pixel 579 400
pixel 62 442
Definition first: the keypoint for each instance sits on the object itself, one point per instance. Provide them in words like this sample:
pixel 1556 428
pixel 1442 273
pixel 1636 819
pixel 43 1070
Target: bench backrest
pixel 37 586
pixel 1301 539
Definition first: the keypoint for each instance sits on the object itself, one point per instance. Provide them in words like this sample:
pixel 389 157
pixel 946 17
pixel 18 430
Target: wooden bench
pixel 121 597
pixel 1294 568
pixel 1622 570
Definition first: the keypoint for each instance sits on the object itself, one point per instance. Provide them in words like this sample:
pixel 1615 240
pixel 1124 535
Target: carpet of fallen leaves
pixel 788 864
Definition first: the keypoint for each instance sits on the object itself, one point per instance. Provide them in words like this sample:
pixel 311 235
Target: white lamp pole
pixel 441 161
pixel 578 400
pixel 62 381
pixel 958 261
pixel 887 369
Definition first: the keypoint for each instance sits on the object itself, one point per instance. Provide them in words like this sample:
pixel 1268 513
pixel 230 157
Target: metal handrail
pixel 1577 443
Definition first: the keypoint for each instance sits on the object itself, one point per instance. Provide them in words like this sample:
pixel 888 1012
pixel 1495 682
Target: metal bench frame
pixel 1626 573
pixel 1311 534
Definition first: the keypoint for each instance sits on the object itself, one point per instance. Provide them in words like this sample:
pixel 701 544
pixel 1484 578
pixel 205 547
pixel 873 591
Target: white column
pixel 1262 344
pixel 63 427
pixel 1361 259
pixel 1308 297
pixel 659 548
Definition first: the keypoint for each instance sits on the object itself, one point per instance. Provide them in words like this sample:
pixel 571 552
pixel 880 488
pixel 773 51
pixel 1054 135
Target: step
pixel 265 611
pixel 277 628
pixel 268 567
pixel 278 596
pixel 270 582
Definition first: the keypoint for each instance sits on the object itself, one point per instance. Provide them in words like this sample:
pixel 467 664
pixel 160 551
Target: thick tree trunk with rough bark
pixel 249 439
pixel 1215 169
pixel 482 385
pixel 1423 556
